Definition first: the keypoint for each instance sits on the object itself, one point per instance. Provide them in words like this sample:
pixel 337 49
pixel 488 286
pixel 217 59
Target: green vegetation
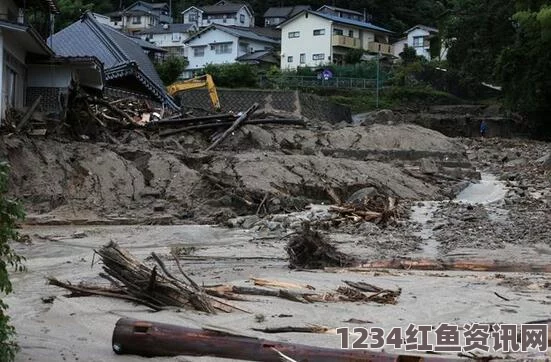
pixel 393 97
pixel 171 68
pixel 235 75
pixel 10 213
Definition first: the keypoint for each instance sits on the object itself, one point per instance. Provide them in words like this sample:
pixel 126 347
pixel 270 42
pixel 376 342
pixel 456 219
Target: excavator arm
pixel 204 81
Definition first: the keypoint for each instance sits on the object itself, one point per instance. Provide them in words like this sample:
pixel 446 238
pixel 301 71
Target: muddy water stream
pixel 488 191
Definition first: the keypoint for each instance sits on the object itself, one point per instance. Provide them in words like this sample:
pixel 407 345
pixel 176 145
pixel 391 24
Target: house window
pixel 136 20
pixel 417 41
pixel 337 31
pixel 224 48
pixel 351 33
pixel 319 32
pixel 176 36
pixel 242 18
pixel 294 34
pixel 192 16
pixel 289 59
pixel 199 52
pixel 302 58
pixel 320 56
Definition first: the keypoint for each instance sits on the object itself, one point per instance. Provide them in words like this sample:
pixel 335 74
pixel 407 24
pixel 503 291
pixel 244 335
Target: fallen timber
pixel 309 249
pixel 151 339
pixel 283 121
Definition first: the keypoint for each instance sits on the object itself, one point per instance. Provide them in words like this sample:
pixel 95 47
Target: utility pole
pixel 377 91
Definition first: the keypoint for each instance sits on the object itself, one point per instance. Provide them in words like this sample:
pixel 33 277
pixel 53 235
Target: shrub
pixel 171 68
pixel 10 212
pixel 234 75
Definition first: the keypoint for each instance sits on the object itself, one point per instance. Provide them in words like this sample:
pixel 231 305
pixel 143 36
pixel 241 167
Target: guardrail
pixel 315 82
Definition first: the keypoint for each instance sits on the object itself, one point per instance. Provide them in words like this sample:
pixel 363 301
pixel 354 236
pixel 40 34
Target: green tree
pixel 171 68
pixel 10 212
pixel 234 75
pixel 476 32
pixel 353 56
pixel 71 10
pixel 524 67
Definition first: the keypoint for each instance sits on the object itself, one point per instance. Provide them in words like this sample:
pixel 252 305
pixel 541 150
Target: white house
pixel 171 37
pixel 219 44
pixel 223 13
pixel 139 16
pixel 312 38
pixel 277 15
pixel 419 38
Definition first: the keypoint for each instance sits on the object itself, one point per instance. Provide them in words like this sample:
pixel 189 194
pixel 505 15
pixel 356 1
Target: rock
pixel 384 116
pixel 359 196
pixel 428 166
pixel 545 161
pixel 249 221
pixel 234 222
pixel 272 226
pixel 159 206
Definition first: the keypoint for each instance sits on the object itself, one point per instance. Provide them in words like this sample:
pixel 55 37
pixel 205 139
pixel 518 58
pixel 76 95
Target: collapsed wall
pixel 293 102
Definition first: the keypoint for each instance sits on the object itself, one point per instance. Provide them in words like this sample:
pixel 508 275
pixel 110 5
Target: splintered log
pixel 234 126
pixel 282 121
pixel 291 329
pixel 141 284
pixel 150 339
pixel 190 120
pixel 280 284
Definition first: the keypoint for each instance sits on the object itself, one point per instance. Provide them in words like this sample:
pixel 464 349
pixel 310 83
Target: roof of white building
pixel 238 32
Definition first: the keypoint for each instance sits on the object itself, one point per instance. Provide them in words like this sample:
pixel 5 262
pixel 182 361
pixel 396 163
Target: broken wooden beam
pixel 234 126
pixel 27 116
pixel 171 122
pixel 282 121
pixel 151 339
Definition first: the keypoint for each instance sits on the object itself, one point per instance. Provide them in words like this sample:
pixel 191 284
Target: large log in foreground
pixel 149 339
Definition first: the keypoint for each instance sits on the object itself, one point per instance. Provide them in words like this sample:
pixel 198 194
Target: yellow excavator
pixel 194 83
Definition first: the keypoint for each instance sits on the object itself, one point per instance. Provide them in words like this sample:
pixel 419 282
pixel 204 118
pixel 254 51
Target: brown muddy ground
pixel 447 212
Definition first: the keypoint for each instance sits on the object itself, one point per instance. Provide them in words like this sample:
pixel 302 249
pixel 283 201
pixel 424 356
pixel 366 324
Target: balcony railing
pixel 382 48
pixel 346 41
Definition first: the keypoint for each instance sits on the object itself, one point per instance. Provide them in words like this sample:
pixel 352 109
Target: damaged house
pixel 30 72
pixel 127 66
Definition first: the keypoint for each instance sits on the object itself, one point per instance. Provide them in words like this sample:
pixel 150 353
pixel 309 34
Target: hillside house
pixel 222 13
pixel 171 37
pixel 342 13
pixel 219 44
pixel 313 38
pixel 419 38
pixel 139 16
pixel 277 15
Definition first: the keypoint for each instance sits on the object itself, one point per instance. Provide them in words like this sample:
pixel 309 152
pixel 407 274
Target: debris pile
pixel 133 280
pixel 309 249
pixel 378 209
